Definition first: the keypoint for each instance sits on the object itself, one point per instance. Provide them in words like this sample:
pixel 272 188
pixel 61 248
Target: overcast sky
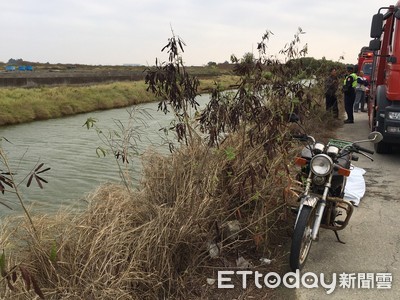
pixel 113 32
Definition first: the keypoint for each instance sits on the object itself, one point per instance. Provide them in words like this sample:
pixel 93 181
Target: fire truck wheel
pixel 382 102
pixel 383 148
pixel 381 99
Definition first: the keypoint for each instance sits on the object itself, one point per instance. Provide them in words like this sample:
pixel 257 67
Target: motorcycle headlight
pixel 321 165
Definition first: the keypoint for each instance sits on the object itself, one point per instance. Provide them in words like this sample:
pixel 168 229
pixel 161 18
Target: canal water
pixel 69 149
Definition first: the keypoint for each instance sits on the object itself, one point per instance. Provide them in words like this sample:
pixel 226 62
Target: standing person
pixel 331 86
pixel 361 87
pixel 365 99
pixel 349 91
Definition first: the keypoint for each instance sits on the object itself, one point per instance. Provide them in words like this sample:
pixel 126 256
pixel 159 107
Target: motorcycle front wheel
pixel 301 240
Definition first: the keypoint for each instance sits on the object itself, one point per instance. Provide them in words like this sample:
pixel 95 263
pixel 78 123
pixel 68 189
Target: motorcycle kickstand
pixel 337 237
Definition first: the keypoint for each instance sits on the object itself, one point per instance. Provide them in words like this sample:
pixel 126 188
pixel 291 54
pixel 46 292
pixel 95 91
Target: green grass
pixel 20 105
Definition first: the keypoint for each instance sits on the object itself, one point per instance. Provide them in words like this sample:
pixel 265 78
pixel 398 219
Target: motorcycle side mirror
pixel 293 118
pixel 375 137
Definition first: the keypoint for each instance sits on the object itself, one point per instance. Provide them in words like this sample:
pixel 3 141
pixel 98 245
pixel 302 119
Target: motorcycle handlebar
pixel 303 137
pixel 363 149
pixel 299 136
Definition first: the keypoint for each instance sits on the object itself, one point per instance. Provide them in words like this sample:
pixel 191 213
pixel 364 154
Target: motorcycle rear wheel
pixel 301 239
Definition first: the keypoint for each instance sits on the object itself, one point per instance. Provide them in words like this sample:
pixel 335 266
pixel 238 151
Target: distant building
pixel 21 68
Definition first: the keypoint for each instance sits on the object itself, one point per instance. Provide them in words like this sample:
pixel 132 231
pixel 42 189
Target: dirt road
pixel 372 237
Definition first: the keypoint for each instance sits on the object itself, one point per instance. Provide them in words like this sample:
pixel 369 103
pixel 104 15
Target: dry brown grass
pixel 154 243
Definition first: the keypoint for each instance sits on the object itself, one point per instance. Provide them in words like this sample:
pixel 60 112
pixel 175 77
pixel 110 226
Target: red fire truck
pixel 366 67
pixel 384 108
pixel 365 60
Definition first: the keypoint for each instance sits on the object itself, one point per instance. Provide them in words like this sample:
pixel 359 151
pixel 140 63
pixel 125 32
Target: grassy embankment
pixel 20 105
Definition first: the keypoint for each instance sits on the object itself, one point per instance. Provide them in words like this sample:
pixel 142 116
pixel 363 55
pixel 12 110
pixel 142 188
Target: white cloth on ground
pixel 355 186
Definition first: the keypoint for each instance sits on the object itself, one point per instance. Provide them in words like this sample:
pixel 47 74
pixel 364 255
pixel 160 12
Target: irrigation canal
pixel 69 149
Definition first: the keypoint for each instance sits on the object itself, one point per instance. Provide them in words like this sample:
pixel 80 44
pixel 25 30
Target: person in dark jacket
pixel 331 86
pixel 349 91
